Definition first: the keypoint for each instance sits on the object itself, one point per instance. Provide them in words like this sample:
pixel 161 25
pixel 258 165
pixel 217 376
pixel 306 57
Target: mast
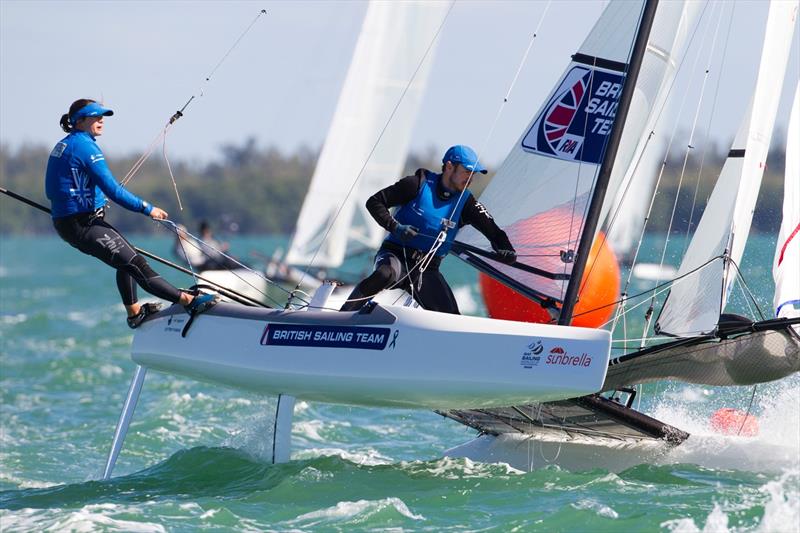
pixel 604 175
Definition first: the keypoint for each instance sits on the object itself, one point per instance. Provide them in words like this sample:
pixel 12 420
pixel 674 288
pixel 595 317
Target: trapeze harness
pixel 427 206
pixel 77 182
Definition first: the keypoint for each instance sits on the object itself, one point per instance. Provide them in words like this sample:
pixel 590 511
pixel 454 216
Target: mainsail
pixel 553 167
pixel 695 302
pixel 786 269
pixel 390 65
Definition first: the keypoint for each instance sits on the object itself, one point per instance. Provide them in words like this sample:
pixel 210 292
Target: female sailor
pixel 77 182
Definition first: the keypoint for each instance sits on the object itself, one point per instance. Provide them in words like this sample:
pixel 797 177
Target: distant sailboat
pixel 367 144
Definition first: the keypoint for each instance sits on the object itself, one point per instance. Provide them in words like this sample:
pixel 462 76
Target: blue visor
pixel 464 156
pixel 90 110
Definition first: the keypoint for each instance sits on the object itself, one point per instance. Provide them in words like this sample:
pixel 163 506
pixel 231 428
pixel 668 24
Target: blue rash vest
pixel 78 179
pixel 427 212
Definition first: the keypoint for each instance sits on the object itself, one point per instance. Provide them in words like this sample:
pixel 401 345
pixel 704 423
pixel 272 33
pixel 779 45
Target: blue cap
pixel 90 110
pixel 465 156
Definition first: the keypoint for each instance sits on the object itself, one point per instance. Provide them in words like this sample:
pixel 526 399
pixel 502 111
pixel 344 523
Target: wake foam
pixel 776 448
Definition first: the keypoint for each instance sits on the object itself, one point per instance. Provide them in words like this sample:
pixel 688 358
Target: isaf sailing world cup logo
pixel 576 121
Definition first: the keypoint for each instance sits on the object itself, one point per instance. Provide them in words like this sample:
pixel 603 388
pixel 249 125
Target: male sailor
pixel 431 209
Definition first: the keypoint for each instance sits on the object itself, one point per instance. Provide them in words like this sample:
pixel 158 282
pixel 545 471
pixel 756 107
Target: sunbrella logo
pixel 559 356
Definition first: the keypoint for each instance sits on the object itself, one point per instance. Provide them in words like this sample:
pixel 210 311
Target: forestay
pixel 394 39
pixel 786 268
pixel 541 191
pixel 695 302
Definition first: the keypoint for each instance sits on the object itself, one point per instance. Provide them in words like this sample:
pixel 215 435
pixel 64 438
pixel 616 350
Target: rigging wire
pixel 656 289
pixel 425 261
pixel 640 242
pixel 690 144
pixel 620 310
pixel 162 135
pixel 747 412
pixel 239 297
pixel 198 244
pixel 707 133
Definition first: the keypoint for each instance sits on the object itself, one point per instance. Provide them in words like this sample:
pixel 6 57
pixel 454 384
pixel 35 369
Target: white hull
pixel 392 356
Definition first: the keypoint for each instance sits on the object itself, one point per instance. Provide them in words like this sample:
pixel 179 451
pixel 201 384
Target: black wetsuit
pixel 91 234
pixel 393 261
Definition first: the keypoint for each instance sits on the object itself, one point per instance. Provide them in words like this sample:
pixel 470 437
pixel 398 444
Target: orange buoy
pixel 600 287
pixel 729 421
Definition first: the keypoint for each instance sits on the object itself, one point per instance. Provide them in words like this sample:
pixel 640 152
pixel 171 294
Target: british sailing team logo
pixel 531 356
pixel 576 121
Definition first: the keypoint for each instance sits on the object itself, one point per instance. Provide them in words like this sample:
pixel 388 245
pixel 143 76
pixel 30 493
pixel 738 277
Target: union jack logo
pixel 560 115
pixel 569 125
pixel 81 190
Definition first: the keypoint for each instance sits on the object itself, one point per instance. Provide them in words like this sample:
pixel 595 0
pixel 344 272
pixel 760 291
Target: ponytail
pixel 65 122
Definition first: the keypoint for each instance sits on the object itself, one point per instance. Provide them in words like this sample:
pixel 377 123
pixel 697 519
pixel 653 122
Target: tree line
pixel 260 190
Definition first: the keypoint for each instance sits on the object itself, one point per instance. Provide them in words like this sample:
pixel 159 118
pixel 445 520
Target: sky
pixel 280 84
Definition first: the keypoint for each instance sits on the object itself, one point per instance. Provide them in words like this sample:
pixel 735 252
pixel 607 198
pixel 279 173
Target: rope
pixel 201 245
pixel 162 135
pixel 656 289
pixel 747 413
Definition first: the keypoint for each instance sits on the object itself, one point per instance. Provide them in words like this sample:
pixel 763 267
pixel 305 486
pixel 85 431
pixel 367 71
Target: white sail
pixel 786 269
pixel 393 41
pixel 695 302
pixel 541 191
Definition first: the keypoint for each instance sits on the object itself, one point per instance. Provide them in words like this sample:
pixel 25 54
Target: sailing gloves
pixel 508 257
pixel 405 232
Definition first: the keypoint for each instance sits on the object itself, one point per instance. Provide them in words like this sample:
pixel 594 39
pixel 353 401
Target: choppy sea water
pixel 195 456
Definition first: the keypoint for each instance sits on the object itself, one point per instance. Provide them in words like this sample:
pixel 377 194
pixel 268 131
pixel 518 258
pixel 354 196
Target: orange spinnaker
pixel 600 288
pixel 728 421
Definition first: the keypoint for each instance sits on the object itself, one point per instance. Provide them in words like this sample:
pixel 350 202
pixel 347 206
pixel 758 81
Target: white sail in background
pixel 624 213
pixel 695 302
pixel 786 269
pixel 393 41
pixel 541 191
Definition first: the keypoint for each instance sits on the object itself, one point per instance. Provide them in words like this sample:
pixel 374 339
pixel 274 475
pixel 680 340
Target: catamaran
pixel 569 172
